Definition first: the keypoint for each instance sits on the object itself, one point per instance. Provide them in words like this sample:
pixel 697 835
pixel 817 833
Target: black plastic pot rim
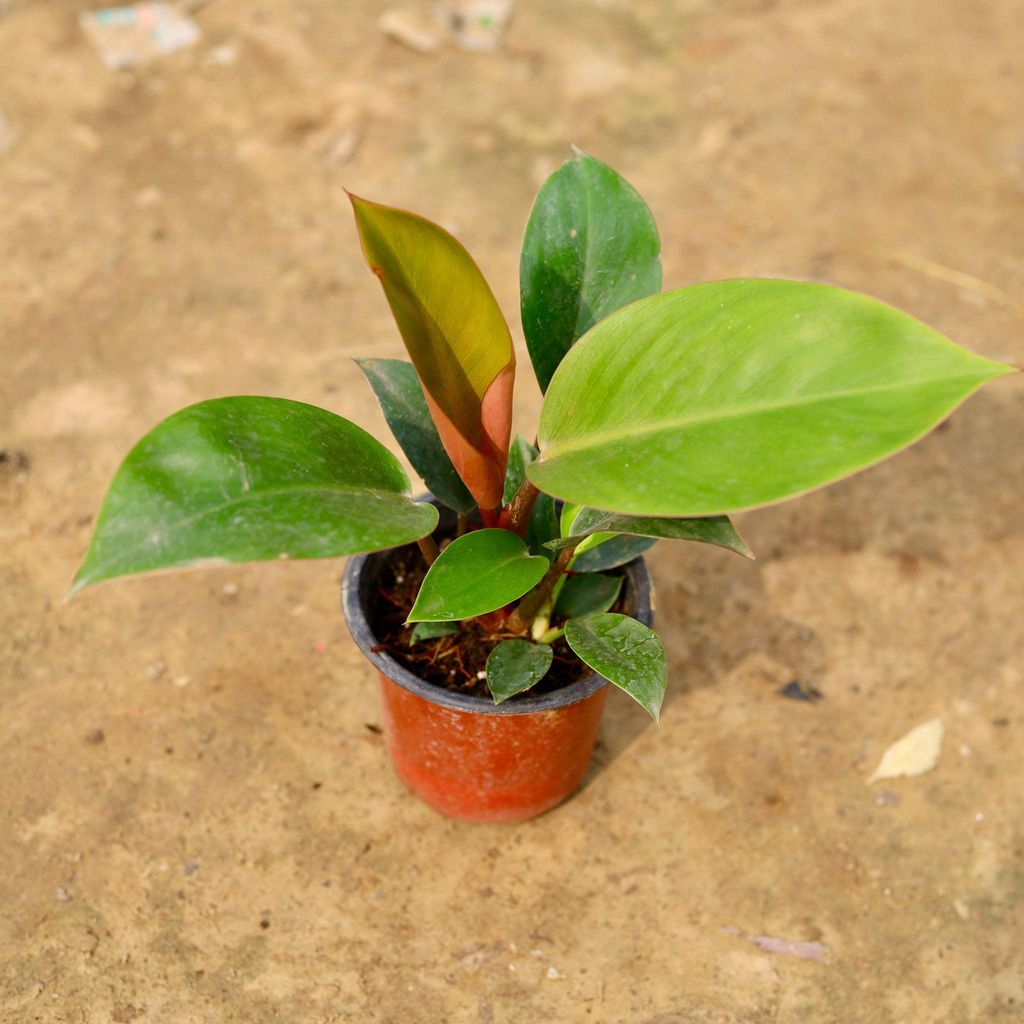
pixel 359 627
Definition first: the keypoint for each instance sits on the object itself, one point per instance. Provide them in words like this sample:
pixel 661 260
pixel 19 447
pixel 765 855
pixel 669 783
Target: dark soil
pixel 454 662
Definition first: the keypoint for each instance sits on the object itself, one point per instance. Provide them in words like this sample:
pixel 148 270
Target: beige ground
pixel 181 233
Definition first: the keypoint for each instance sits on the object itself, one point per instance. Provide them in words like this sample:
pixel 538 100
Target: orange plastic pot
pixel 466 756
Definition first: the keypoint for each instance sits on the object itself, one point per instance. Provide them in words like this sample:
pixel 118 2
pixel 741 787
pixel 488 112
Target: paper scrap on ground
pixel 914 754
pixel 770 944
pixel 126 37
pixel 477 25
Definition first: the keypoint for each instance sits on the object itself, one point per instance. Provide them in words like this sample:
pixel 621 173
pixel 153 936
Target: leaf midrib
pixel 597 439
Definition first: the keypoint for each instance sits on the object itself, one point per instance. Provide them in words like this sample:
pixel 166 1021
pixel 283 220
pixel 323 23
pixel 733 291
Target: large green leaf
pixel 476 574
pixel 398 390
pixel 516 665
pixel 245 479
pixel 591 246
pixel 625 652
pixel 711 530
pixel 732 395
pixel 455 334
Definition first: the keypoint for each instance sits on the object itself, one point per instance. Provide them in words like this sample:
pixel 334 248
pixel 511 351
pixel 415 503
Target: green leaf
pixel 245 479
pixel 520 455
pixel 591 246
pixel 398 391
pixel 738 394
pixel 542 527
pixel 432 630
pixel 516 665
pixel 475 574
pixel 625 652
pixel 712 530
pixel 455 334
pixel 586 593
pixel 611 553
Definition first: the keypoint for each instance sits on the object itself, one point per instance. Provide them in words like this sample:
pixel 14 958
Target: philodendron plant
pixel 663 413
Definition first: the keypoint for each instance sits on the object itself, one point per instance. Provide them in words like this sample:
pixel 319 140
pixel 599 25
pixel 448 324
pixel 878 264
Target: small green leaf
pixel 590 246
pixel 475 574
pixel 520 455
pixel 725 396
pixel 611 553
pixel 516 665
pixel 398 391
pixel 542 527
pixel 432 630
pixel 587 593
pixel 246 479
pixel 625 652
pixel 716 530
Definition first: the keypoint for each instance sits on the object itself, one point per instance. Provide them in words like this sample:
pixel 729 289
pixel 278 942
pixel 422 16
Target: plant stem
pixel 522 618
pixel 551 635
pixel 516 514
pixel 461 525
pixel 429 548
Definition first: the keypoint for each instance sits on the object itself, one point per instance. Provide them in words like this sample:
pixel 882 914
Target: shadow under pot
pixel 466 756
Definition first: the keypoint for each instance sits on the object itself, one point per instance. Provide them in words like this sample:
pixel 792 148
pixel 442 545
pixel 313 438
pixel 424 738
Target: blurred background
pixel 195 821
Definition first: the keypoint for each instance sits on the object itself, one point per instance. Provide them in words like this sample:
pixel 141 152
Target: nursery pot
pixel 466 756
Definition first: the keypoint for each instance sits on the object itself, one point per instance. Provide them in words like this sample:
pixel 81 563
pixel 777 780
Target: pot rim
pixel 359 626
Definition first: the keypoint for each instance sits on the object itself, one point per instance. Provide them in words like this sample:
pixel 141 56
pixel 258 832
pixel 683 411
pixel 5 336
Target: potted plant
pixel 498 609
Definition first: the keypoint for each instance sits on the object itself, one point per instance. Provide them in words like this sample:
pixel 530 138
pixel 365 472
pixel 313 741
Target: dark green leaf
pixel 612 553
pixel 246 479
pixel 516 665
pixel 625 652
pixel 737 394
pixel 520 455
pixel 711 530
pixel 542 527
pixel 587 593
pixel 591 246
pixel 398 390
pixel 475 574
pixel 432 630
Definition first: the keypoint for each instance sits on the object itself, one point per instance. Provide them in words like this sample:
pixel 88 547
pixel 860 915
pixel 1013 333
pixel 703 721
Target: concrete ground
pixel 196 824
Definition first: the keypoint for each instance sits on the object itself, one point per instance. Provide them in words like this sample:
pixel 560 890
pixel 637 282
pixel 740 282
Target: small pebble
pixel 95 736
pixel 481 674
pixel 182 681
pixel 963 911
pixel 61 895
pixel 156 670
pixel 83 939
pixel 554 974
pixel 191 867
pixel 229 590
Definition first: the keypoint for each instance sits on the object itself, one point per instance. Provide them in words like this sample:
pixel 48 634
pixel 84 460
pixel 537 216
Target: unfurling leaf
pixel 587 593
pixel 455 334
pixel 246 479
pixel 475 574
pixel 516 665
pixel 716 530
pixel 625 652
pixel 590 246
pixel 401 400
pixel 726 396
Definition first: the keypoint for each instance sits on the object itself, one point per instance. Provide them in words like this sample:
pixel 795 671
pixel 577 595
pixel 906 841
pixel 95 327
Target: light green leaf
pixel 516 665
pixel 398 391
pixel 610 553
pixel 432 630
pixel 475 574
pixel 587 593
pixel 732 395
pixel 716 530
pixel 590 246
pixel 520 455
pixel 245 479
pixel 625 652
pixel 455 335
